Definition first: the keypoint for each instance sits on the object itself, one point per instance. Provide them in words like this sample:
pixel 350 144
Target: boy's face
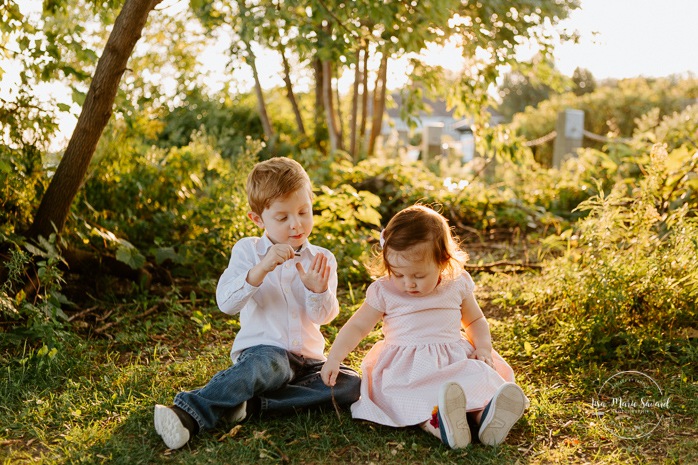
pixel 287 220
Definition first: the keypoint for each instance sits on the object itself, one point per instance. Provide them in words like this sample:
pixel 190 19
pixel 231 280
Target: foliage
pixel 346 222
pixel 228 121
pixel 583 80
pixel 36 312
pixel 625 287
pixel 560 191
pixel 470 205
pixel 613 109
pixel 22 178
pixel 183 204
pixel 307 33
pixel 529 84
pixel 517 92
pixel 679 129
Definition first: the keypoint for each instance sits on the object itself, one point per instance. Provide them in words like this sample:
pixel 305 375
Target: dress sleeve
pixel 375 296
pixel 469 283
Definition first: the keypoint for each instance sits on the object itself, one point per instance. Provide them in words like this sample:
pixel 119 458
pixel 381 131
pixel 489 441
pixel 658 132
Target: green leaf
pixel 528 348
pixel 128 254
pixel 166 253
pixel 79 97
pixel 368 215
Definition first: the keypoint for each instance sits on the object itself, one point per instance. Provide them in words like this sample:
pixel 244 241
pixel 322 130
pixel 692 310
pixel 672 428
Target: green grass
pixel 92 403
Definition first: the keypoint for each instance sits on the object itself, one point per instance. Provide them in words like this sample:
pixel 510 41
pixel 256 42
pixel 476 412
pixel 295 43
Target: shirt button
pixel 295 342
pixel 294 315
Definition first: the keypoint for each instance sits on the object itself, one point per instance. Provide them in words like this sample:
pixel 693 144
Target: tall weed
pixel 627 284
pixel 31 301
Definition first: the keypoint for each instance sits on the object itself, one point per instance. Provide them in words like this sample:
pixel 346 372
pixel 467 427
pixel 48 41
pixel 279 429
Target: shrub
pixel 627 285
pixel 34 312
pixel 184 204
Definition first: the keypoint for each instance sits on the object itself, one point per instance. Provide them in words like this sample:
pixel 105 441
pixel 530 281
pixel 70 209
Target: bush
pixel 37 317
pixel 627 285
pixel 613 108
pixel 185 204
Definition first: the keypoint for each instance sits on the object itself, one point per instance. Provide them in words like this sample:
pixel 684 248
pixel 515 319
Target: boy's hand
pixel 276 255
pixel 484 356
pixel 317 277
pixel 329 372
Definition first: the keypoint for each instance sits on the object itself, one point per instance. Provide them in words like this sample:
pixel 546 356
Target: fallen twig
pixel 83 313
pixel 490 267
pixel 151 310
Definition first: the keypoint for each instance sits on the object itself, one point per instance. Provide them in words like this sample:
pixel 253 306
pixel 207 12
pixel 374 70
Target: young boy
pixel 284 288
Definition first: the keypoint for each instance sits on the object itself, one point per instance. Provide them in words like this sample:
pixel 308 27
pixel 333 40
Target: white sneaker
pixel 170 427
pixel 503 411
pixel 453 420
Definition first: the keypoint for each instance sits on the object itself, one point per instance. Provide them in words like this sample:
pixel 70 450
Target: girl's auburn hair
pixel 420 225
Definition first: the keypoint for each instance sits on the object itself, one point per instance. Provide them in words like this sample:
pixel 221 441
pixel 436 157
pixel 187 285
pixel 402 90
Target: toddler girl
pixel 426 372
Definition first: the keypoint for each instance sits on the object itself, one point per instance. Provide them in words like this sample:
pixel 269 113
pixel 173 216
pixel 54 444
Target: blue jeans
pixel 281 380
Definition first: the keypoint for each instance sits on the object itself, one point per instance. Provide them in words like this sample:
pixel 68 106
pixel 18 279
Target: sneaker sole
pixel 508 405
pixel 169 427
pixel 453 414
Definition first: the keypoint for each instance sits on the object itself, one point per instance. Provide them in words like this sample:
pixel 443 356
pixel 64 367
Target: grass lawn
pixel 93 401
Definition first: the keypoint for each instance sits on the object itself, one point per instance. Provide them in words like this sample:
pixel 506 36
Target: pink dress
pixel 423 348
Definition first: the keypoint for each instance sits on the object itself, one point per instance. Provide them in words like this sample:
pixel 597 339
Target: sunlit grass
pixel 93 404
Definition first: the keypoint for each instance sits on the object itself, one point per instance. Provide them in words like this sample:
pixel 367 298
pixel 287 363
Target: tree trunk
pixel 290 94
pixel 319 114
pixel 96 111
pixel 364 102
pixel 261 105
pixel 329 108
pixel 378 103
pixel 355 108
pixel 340 117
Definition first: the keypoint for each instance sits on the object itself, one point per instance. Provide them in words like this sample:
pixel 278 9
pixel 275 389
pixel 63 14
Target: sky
pixel 630 38
pixel 618 39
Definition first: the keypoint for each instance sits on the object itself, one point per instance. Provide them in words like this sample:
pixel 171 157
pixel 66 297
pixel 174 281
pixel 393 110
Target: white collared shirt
pixel 281 312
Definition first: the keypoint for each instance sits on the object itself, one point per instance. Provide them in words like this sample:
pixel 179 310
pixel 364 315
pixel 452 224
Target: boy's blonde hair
pixel 421 227
pixel 275 179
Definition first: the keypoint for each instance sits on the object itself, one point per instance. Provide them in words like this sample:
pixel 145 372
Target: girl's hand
pixel 276 255
pixel 317 277
pixel 484 356
pixel 329 372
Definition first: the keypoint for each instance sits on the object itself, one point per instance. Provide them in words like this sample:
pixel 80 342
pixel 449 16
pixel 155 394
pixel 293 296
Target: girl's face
pixel 413 272
pixel 288 220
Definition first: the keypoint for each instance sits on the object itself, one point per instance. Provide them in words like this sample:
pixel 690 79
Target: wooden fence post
pixel 570 131
pixel 431 141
